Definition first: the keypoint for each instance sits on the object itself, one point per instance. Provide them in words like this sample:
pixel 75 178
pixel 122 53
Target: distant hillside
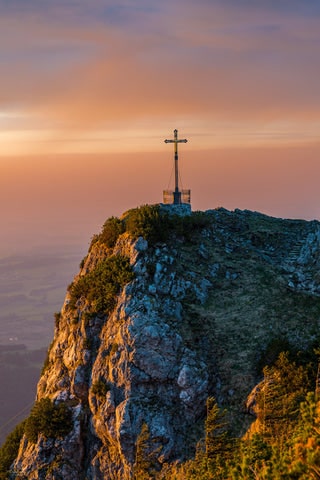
pixel 19 373
pixel 32 287
pixel 173 319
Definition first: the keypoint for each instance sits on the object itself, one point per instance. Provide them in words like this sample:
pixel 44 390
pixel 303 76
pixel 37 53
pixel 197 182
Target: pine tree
pixel 285 385
pixel 305 449
pixel 9 449
pixel 217 443
pixel 146 464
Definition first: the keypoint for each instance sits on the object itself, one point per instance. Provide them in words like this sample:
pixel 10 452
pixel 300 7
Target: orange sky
pixel 89 91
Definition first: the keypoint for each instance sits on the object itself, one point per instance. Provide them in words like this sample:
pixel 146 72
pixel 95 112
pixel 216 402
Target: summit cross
pixel 177 193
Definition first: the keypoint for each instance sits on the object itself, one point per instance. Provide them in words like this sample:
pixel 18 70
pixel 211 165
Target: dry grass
pixel 247 311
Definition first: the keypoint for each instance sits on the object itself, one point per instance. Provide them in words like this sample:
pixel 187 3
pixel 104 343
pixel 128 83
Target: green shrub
pixel 112 228
pixel 101 286
pixel 9 449
pixel 146 464
pixel 48 419
pixel 285 387
pixel 100 388
pixel 148 222
pixel 155 225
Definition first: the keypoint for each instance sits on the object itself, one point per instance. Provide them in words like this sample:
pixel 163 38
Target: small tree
pixel 146 464
pixel 112 228
pixel 9 449
pixel 285 386
pixel 304 454
pixel 216 438
pixel 101 286
pixel 100 388
pixel 148 222
pixel 48 419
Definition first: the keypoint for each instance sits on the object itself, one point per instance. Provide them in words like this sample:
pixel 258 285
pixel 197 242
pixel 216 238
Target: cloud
pixel 80 65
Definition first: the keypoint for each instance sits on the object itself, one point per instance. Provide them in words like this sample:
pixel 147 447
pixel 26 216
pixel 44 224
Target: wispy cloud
pixel 99 76
pixel 101 64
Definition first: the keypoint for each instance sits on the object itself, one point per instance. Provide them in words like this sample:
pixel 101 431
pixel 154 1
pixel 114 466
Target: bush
pixel 101 286
pixel 9 449
pixel 100 388
pixel 146 464
pixel 112 228
pixel 48 419
pixel 155 225
pixel 148 222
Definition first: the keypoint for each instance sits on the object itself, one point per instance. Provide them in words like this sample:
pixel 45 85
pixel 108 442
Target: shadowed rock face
pixel 192 323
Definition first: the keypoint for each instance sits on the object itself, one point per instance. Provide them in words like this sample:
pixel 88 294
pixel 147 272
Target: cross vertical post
pixel 175 141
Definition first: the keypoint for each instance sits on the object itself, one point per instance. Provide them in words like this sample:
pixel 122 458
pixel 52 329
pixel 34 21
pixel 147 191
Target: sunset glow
pixel 89 91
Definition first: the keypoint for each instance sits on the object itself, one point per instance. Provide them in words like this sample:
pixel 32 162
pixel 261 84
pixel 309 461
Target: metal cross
pixel 176 169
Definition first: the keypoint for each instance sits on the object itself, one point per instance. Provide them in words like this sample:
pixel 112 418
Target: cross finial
pixel 177 193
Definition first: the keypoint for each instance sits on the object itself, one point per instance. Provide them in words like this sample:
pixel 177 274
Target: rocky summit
pixel 166 311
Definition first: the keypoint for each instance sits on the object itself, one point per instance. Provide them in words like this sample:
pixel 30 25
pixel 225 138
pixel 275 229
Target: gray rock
pixel 141 245
pixel 153 358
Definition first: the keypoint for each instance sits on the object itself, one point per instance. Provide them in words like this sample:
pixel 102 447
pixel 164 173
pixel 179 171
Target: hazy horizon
pixel 90 90
pixel 63 200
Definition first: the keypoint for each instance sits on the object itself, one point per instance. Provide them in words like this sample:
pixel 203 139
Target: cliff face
pixel 195 320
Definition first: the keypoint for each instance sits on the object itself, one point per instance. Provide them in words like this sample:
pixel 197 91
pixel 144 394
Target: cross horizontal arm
pixel 176 141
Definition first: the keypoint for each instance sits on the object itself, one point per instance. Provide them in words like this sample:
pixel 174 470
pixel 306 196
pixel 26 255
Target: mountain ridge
pixel 165 312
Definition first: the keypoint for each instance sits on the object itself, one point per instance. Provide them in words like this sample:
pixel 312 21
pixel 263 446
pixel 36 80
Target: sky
pixel 91 88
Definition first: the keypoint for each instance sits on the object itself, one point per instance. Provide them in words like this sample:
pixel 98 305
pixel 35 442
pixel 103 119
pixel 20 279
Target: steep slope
pixel 208 295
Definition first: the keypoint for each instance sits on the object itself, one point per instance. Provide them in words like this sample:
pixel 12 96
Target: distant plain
pixel 32 289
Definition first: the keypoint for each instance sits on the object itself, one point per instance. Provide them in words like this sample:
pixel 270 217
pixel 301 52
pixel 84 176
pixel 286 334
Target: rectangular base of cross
pixel 176 198
pixel 182 210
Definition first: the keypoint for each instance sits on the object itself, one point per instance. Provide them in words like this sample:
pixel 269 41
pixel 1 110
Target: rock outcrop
pixel 199 312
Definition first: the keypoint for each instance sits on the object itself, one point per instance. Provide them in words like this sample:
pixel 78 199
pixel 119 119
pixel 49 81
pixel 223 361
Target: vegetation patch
pixel 101 286
pixel 146 464
pixel 154 225
pixel 111 230
pixel 148 222
pixel 100 388
pixel 286 442
pixel 9 450
pixel 48 419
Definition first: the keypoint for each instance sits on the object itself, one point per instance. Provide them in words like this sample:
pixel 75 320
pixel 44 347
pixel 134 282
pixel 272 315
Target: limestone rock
pixel 199 311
